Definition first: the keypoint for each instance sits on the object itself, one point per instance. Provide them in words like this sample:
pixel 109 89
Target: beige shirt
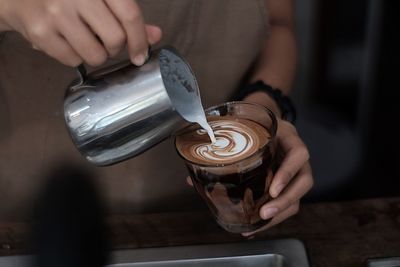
pixel 220 39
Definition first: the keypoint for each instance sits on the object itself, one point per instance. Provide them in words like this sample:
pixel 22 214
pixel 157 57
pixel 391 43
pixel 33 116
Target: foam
pixel 235 139
pixel 204 124
pixel 232 141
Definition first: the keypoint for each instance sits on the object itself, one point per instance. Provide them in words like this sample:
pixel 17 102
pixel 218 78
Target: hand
pixel 294 177
pixel 290 183
pixel 292 180
pixel 73 31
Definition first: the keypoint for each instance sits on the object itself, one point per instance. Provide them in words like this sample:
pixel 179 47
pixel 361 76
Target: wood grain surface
pixel 335 234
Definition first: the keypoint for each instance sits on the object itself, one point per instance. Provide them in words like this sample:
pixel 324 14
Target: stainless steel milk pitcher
pixel 119 112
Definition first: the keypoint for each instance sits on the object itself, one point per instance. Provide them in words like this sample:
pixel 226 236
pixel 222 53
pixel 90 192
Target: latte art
pixel 233 140
pixel 236 139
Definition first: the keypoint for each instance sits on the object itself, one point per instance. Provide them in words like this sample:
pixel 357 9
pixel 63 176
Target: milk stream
pixel 204 124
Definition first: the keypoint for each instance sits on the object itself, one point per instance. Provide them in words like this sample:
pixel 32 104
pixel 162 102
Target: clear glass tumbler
pixel 235 192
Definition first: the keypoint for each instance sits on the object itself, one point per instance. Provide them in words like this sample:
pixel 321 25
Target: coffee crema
pixel 236 139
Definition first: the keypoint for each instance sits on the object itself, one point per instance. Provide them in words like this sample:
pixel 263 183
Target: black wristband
pixel 284 103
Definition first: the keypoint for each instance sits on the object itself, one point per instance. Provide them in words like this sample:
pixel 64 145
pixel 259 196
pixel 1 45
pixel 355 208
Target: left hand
pixel 292 180
pixel 294 177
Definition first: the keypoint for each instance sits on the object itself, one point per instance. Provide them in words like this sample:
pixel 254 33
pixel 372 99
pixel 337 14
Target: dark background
pixel 347 92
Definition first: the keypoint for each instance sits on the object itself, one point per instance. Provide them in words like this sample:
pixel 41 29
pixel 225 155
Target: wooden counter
pixel 335 234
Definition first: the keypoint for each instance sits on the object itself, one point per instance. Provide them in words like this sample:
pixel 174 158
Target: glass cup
pixel 235 192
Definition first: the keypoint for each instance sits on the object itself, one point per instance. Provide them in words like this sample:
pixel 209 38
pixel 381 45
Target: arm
pixel 276 67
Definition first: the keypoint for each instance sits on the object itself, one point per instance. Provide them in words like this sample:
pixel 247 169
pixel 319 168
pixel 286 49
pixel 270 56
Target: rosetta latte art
pixel 236 139
pixel 233 141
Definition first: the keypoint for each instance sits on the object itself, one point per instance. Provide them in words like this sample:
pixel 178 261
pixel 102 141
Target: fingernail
pixel 139 59
pixel 269 213
pixel 35 47
pixel 279 189
pixel 249 235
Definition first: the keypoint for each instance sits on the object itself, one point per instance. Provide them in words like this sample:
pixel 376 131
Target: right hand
pixel 76 31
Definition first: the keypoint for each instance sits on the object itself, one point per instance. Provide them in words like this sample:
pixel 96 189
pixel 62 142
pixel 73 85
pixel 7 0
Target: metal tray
pixel 384 262
pixel 270 253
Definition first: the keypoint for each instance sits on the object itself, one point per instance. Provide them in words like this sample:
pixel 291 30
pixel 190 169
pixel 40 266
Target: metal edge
pixel 384 262
pixel 293 250
pixel 203 261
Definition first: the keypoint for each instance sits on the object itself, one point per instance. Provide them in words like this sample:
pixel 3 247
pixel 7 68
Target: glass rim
pixel 273 134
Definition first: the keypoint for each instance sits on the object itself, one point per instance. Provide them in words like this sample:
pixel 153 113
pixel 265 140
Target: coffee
pixel 236 139
pixel 233 174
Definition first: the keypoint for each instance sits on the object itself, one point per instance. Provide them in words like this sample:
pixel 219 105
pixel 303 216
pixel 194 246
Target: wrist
pixel 265 100
pixel 264 94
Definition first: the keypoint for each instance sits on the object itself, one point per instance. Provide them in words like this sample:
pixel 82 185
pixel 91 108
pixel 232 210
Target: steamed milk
pixel 202 121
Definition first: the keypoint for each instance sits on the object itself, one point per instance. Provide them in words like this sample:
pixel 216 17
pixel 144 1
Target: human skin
pixel 76 31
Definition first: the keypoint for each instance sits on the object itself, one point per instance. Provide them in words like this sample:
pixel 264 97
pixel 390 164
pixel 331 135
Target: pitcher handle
pixel 82 72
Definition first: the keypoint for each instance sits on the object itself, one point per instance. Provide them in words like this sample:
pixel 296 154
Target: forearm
pixel 276 65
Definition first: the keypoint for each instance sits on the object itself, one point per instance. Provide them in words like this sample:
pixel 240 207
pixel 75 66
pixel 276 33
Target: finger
pixel 189 181
pixel 154 34
pixel 130 16
pixel 57 47
pixel 296 155
pixel 82 39
pixel 290 211
pixel 299 186
pixel 103 22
